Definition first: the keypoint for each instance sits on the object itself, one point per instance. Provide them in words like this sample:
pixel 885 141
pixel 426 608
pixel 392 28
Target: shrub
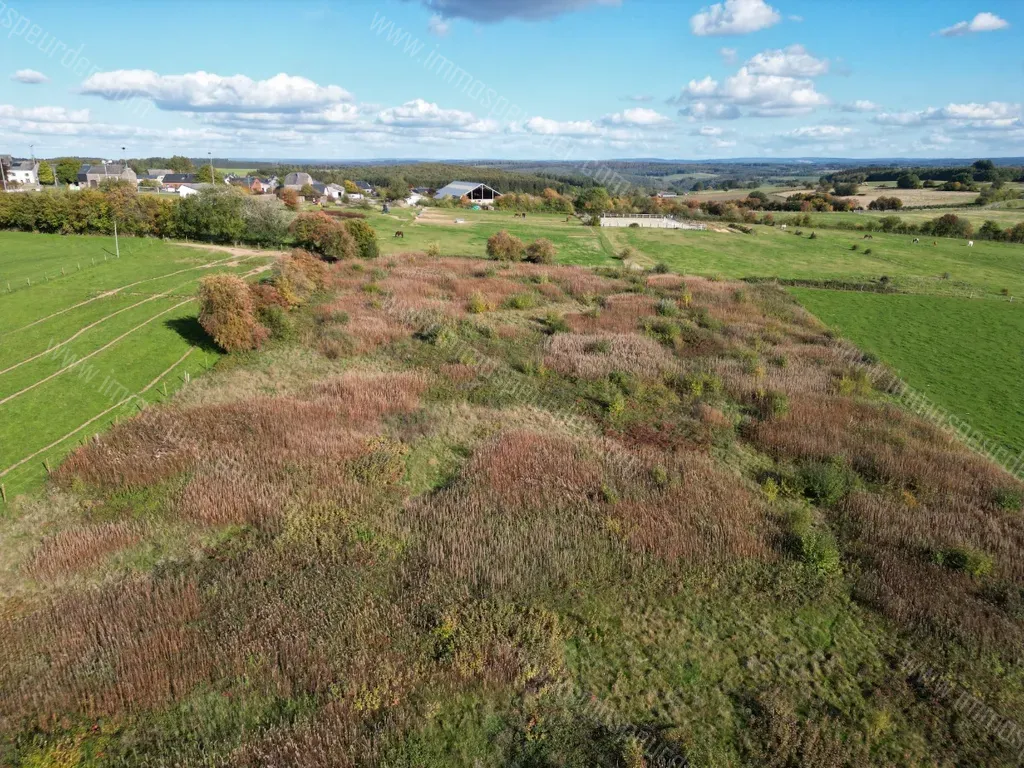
pixel 825 483
pixel 661 268
pixel 433 249
pixel 555 323
pixel 299 275
pixel 521 301
pixel 365 238
pixel 771 404
pixel 541 251
pixel 321 234
pixel 963 559
pixel 629 253
pixel 664 330
pixel 504 247
pixel 818 550
pixel 478 304
pixel 813 236
pixel 226 313
pixel 667 308
pixel 278 322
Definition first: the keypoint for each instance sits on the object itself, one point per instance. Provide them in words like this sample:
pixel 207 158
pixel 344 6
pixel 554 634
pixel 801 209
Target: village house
pixel 24 173
pixel 173 181
pixel 94 175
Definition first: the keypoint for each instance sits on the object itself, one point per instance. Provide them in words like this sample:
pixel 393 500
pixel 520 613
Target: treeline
pixel 980 170
pixel 217 215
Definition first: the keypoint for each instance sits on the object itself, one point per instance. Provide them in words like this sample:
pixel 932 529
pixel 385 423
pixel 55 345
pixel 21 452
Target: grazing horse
pixel 970 243
pixel 869 237
pixel 400 234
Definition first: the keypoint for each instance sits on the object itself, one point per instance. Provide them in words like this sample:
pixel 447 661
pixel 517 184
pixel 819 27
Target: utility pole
pixel 213 177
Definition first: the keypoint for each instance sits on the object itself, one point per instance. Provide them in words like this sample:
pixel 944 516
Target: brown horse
pixel 400 234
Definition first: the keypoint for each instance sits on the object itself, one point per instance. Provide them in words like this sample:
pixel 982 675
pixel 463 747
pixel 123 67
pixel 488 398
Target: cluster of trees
pixel 219 214
pixel 335 238
pixel 979 171
pixel 885 204
pixel 549 200
pixel 242 316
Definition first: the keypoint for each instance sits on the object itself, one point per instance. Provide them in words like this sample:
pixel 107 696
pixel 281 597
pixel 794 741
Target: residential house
pixel 157 174
pixel 187 190
pixel 22 172
pixel 326 191
pixel 94 175
pixel 298 180
pixel 337 190
pixel 366 189
pixel 173 181
pixel 253 184
pixel 475 191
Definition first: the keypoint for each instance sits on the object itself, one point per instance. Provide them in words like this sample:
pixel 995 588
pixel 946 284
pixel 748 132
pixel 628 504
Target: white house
pixel 24 172
pixel 187 190
pixel 413 198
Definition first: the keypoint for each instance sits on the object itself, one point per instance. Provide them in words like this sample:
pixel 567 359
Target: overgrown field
pixel 469 513
pixel 966 356
pixel 83 331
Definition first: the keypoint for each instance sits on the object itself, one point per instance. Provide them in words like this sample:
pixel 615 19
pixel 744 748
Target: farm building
pixel 647 221
pixel 474 190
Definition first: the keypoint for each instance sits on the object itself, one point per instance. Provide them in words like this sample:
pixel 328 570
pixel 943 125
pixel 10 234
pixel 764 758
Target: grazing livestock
pixel 869 237
pixel 917 240
pixel 970 243
pixel 400 234
pixel 783 226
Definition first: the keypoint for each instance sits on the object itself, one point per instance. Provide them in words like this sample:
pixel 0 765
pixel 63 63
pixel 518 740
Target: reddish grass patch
pixel 80 547
pixel 596 356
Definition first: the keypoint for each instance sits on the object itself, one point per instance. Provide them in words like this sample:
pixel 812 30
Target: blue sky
pixel 545 79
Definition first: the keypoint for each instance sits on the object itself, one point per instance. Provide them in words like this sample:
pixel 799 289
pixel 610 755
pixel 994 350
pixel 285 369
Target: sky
pixel 568 80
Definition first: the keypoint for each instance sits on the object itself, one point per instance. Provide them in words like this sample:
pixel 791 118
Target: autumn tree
pixel 227 313
pixel 45 173
pixel 289 197
pixel 504 247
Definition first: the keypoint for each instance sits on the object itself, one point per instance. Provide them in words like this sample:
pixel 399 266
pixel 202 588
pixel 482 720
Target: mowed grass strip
pixel 966 355
pixel 45 413
pixel 141 260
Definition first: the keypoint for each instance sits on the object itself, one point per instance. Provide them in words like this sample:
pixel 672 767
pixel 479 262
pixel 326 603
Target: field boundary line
pixel 92 354
pixel 115 291
pixel 128 399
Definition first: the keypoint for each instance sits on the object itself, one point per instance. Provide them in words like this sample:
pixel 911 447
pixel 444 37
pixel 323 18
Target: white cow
pixel 783 226
pixel 970 243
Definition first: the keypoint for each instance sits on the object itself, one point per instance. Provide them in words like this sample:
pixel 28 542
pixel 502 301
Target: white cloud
pixel 422 114
pixel 641 98
pixel 639 116
pixel 983 22
pixel 729 55
pixel 793 61
pixel 489 11
pixel 819 133
pixel 709 130
pixel 543 126
pixel 29 77
pixel 700 110
pixel 994 115
pixel 734 17
pixel 203 91
pixel 438 26
pixel 763 95
pixel 43 114
pixel 861 105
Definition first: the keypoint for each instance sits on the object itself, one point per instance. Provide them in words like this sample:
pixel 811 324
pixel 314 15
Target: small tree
pixel 46 173
pixel 504 247
pixel 908 181
pixel 846 188
pixel 290 198
pixel 67 171
pixel 351 188
pixel 227 313
pixel 365 237
pixel 541 251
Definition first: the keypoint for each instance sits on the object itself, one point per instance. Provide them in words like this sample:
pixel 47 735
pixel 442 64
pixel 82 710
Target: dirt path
pixel 233 250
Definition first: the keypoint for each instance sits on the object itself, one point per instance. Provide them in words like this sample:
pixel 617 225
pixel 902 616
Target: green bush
pixel 365 237
pixel 667 308
pixel 555 323
pixel 819 551
pixel 825 483
pixel 478 304
pixel 963 559
pixel 278 322
pixel 504 247
pixel 661 268
pixel 663 330
pixel 522 301
pixel 433 249
pixel 771 404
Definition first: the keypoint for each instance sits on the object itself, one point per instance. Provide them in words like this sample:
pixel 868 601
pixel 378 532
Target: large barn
pixel 474 190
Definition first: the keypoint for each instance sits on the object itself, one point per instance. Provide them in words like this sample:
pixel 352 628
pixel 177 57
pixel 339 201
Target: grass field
pixel 770 252
pixel 966 356
pixel 75 348
pixel 1006 214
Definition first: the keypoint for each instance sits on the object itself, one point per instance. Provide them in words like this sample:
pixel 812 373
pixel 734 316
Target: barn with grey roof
pixel 475 191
